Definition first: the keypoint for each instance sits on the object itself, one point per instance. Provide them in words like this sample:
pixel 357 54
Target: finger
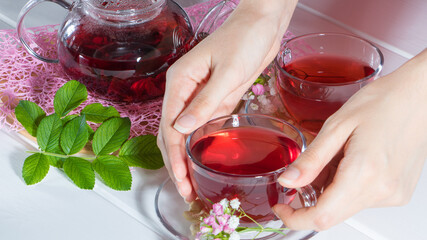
pixel 161 146
pixel 320 152
pixel 177 157
pixel 332 207
pixel 223 81
pixel 178 170
pixel 185 189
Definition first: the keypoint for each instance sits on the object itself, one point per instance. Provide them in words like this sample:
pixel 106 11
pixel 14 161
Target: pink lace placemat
pixel 24 77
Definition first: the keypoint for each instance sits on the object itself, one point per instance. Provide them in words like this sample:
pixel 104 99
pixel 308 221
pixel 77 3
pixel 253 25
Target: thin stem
pixel 259 232
pixel 260 228
pixel 60 155
pixel 253 229
pixel 246 215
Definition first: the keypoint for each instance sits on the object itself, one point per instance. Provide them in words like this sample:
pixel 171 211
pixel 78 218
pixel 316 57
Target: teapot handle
pixel 22 33
pixel 213 19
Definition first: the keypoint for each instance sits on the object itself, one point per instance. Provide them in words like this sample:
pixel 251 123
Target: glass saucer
pixel 170 209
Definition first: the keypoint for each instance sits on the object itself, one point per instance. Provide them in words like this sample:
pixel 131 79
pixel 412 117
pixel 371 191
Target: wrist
pixel 276 13
pixel 418 67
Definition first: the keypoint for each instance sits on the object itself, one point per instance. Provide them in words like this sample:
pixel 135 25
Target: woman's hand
pixel 382 132
pixel 211 78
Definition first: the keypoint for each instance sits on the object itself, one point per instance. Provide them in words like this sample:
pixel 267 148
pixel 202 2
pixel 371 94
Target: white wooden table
pixel 56 209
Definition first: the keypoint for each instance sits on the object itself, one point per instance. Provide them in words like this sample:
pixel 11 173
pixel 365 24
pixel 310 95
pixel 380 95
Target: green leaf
pixel 110 135
pixel 29 115
pixel 74 136
pixel 80 172
pixel 90 131
pixel 35 168
pixel 68 97
pixel 114 172
pixel 142 151
pixel 68 118
pixel 71 117
pixel 55 161
pixel 48 133
pixel 97 113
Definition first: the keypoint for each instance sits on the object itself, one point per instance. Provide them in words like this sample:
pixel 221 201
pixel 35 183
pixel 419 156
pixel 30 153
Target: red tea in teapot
pixel 123 57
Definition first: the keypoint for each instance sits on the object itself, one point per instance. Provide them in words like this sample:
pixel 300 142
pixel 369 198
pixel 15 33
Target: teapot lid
pixel 127 10
pixel 123 5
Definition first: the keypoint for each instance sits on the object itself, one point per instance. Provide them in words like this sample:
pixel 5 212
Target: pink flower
pixel 217 228
pixel 258 89
pixel 227 229
pixel 209 220
pixel 204 229
pixel 217 209
pixel 222 220
pixel 198 236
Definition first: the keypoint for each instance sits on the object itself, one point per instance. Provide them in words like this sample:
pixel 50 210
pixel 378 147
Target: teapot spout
pixel 213 18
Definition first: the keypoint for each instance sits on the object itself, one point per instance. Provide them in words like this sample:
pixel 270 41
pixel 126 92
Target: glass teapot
pixel 121 49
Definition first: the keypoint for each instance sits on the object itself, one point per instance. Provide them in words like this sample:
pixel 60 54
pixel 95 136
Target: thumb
pixel 320 152
pixel 208 100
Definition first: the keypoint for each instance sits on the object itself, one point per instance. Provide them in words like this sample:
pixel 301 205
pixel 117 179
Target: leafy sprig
pixel 61 136
pixel 223 222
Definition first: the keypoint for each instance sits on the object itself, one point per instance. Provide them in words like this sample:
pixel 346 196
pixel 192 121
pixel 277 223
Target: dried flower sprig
pixel 223 222
pixel 262 90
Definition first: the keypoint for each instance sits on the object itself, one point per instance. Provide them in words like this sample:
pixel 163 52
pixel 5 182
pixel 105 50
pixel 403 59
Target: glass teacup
pixel 317 73
pixel 241 156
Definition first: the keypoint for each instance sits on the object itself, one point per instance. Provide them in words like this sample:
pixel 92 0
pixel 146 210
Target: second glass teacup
pixel 241 156
pixel 318 73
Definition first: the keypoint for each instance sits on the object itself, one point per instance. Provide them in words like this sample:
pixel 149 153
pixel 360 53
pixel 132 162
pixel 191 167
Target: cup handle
pixel 23 33
pixel 307 194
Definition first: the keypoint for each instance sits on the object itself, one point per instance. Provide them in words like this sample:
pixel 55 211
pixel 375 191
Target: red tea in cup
pixel 318 73
pixel 244 160
pixel 244 151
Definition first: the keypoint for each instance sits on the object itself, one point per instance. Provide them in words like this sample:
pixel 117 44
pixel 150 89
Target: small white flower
pixel 234 236
pixel 206 237
pixel 245 97
pixel 235 203
pixel 269 109
pixel 233 222
pixel 224 203
pixel 254 106
pixel 272 91
pixel 251 97
pixel 261 98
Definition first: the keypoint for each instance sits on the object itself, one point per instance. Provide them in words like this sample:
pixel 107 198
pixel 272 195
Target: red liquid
pixel 127 64
pixel 311 104
pixel 243 151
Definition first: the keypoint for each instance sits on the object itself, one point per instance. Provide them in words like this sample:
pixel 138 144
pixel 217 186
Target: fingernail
pixel 179 191
pixel 185 123
pixel 177 179
pixel 275 212
pixel 290 175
